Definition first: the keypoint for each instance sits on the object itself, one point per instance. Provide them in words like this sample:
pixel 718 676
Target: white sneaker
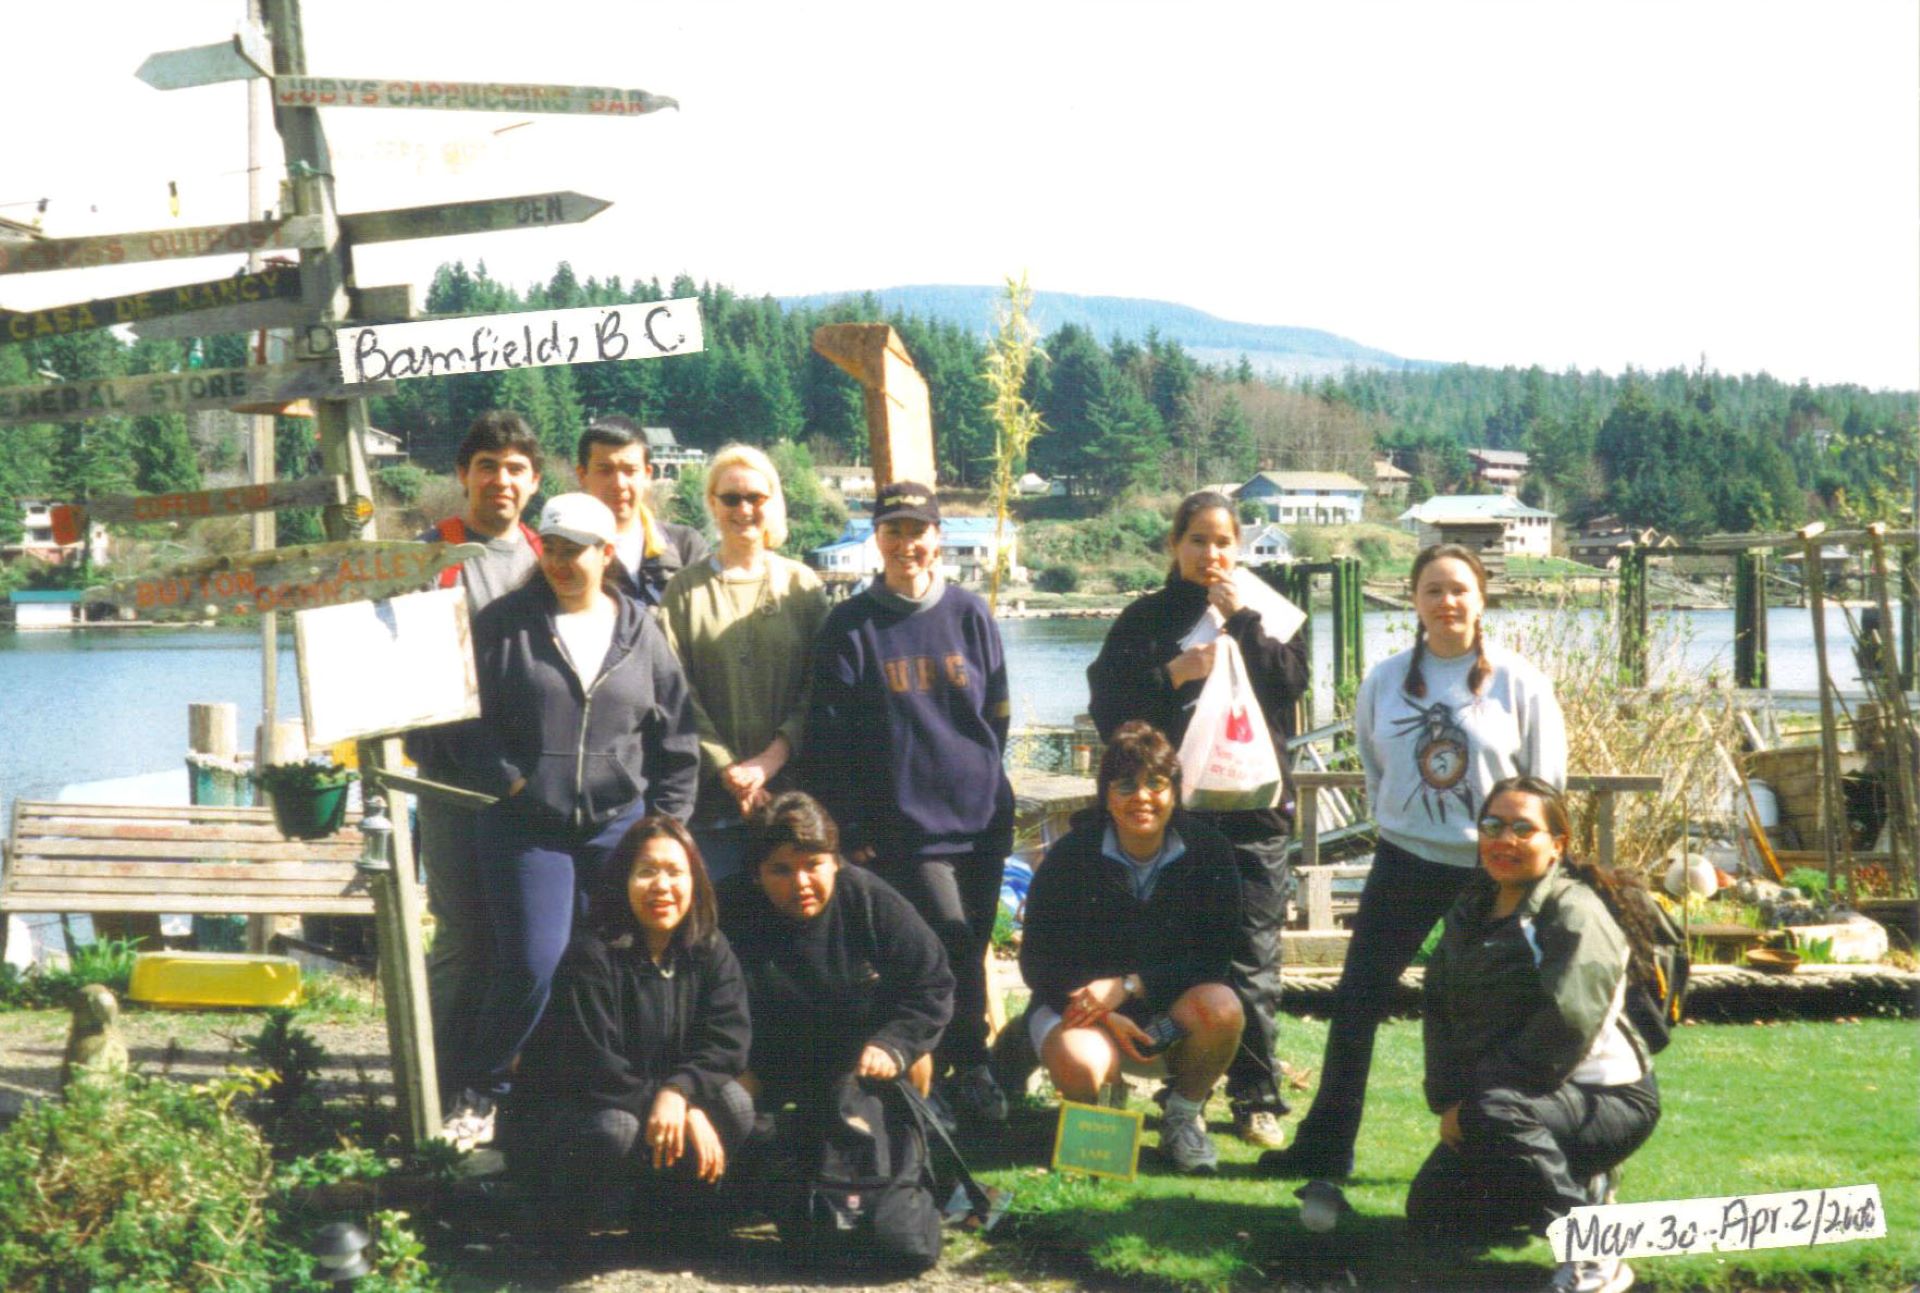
pixel 1600 1275
pixel 470 1125
pixel 1184 1142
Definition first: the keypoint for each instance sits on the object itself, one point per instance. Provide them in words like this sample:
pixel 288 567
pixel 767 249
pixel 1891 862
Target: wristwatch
pixel 1132 986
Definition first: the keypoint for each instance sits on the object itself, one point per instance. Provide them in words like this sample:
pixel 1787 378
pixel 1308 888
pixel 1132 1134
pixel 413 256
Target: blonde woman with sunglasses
pixel 743 622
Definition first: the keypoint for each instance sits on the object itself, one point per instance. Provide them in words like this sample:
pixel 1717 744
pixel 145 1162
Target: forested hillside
pixel 1688 451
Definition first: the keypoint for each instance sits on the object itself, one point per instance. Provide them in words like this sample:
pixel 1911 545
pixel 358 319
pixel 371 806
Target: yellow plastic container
pixel 214 979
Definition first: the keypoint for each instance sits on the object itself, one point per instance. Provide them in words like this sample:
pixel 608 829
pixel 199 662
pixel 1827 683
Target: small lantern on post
pixel 376 838
pixel 340 1252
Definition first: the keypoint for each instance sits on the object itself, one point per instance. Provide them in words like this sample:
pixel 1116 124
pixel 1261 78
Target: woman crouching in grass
pixel 1542 1084
pixel 1132 920
pixel 628 1099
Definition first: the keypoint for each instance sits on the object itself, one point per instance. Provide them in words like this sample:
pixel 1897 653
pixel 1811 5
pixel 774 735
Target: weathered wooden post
pixel 1909 613
pixel 899 407
pixel 1833 817
pixel 403 963
pixel 1750 619
pixel 1896 722
pixel 1296 582
pixel 1631 617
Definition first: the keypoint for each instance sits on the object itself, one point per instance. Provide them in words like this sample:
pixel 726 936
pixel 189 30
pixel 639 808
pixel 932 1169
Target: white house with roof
pixel 1501 468
pixel 1265 545
pixel 1524 530
pixel 966 549
pixel 1306 497
pixel 666 455
pixel 37 541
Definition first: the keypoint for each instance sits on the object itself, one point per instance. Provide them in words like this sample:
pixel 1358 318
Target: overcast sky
pixel 1501 183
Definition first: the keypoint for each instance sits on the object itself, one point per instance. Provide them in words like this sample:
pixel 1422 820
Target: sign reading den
pixel 531 339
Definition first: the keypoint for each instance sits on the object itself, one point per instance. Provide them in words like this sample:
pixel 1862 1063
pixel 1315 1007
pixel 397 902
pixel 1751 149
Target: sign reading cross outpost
pixel 531 339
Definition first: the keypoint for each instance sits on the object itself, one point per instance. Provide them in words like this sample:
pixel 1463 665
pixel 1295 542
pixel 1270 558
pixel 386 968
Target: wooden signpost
pixel 151 394
pixel 235 500
pixel 464 96
pixel 487 216
pixel 284 579
pixel 284 233
pixel 899 406
pixel 530 339
pixel 280 283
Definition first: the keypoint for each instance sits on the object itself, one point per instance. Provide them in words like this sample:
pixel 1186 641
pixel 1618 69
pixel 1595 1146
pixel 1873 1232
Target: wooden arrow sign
pixel 241 57
pixel 237 500
pixel 528 212
pixel 280 282
pixel 198 388
pixel 285 579
pixel 529 339
pixel 464 96
pixel 285 233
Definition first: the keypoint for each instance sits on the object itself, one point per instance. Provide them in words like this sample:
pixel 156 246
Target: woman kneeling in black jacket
pixel 1133 915
pixel 845 977
pixel 632 1077
pixel 1542 1083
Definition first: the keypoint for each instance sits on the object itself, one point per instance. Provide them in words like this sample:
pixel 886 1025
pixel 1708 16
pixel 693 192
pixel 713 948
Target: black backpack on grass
pixel 860 1196
pixel 1655 1002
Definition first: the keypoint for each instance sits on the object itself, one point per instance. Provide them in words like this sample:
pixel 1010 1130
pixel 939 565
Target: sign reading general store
pixel 151 394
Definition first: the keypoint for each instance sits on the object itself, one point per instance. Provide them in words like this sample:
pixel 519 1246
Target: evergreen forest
pixel 1690 451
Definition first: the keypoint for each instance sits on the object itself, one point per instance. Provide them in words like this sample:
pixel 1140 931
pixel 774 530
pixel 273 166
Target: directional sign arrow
pixel 151 394
pixel 285 579
pixel 464 96
pixel 240 57
pixel 528 212
pixel 287 232
pixel 280 282
pixel 236 500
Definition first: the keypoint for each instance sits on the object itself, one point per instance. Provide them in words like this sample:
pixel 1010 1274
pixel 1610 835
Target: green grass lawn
pixel 1747 1110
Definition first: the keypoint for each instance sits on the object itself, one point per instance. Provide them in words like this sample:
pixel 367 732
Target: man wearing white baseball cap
pixel 586 726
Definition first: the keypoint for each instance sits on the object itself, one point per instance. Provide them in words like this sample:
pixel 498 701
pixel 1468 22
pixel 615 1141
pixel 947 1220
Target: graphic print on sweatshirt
pixel 1441 756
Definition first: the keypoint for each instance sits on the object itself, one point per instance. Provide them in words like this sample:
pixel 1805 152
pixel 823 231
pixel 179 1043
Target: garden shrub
pixel 1137 579
pixel 1058 579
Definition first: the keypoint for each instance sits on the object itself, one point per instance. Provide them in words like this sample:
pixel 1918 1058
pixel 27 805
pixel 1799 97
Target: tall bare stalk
pixel 1016 422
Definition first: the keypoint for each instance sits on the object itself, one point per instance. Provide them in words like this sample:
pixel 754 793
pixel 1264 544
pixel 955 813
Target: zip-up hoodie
pixel 1520 1001
pixel 1084 922
pixel 589 751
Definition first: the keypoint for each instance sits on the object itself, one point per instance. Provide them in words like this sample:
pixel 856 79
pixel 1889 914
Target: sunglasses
pixel 735 500
pixel 1493 828
pixel 1155 785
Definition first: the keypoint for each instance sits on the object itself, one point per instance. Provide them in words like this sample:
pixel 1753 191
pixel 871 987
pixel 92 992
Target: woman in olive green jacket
pixel 1541 1083
pixel 743 623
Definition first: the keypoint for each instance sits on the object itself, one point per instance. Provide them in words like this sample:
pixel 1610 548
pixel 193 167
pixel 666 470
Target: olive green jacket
pixel 1518 1002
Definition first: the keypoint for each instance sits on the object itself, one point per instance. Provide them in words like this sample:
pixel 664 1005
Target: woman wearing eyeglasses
pixel 1541 1082
pixel 1133 917
pixel 1436 725
pixel 743 623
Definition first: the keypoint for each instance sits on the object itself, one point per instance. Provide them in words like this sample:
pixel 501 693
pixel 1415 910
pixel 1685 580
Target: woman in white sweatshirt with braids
pixel 1437 725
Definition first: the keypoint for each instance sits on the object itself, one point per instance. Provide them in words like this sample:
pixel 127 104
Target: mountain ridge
pixel 1271 349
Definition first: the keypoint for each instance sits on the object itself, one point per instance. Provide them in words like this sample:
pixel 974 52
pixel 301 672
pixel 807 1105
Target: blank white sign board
pixel 375 668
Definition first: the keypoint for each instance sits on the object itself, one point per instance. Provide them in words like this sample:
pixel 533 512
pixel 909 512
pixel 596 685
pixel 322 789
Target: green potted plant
pixel 309 798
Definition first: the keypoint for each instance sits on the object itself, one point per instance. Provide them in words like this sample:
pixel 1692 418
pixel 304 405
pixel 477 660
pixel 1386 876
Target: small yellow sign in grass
pixel 1097 1141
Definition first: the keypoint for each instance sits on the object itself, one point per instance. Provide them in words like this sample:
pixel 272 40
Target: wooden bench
pixel 199 860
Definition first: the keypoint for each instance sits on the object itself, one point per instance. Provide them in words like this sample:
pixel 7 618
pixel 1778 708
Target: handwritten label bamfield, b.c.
pixel 533 339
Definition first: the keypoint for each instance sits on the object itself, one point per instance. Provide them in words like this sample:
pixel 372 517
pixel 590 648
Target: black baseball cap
pixel 907 500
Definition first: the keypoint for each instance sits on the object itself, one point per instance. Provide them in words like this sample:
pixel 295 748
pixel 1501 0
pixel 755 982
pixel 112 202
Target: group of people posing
pixel 747 845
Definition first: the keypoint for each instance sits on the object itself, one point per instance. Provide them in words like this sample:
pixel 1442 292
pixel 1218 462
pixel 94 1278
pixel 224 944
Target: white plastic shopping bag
pixel 1227 762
